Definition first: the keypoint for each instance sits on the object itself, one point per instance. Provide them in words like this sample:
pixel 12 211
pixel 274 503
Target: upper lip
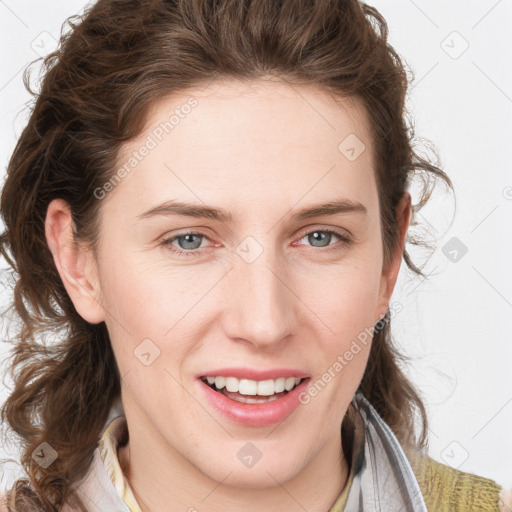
pixel 254 374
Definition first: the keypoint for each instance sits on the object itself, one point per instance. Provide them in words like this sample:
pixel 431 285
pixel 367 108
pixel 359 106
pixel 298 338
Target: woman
pixel 207 212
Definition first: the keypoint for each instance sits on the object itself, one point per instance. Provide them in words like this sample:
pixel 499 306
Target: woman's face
pixel 209 264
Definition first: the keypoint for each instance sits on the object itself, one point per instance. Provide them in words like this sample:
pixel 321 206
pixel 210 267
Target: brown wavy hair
pixel 113 62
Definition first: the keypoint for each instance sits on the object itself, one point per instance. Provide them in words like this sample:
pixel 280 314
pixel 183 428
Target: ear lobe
pixel 389 277
pixel 75 263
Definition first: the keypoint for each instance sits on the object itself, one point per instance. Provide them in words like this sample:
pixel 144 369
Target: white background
pixel 456 324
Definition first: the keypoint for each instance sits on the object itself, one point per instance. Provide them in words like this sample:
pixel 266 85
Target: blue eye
pixel 189 244
pixel 323 236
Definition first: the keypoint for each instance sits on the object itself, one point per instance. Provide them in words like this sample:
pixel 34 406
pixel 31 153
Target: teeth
pixel 254 387
pixel 220 382
pixel 279 385
pixel 290 383
pixel 251 400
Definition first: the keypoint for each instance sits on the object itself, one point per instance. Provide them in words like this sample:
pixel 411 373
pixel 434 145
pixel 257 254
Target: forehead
pixel 270 110
pixel 250 140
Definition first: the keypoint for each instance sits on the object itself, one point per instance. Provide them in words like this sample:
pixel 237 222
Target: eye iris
pixel 321 236
pixel 187 240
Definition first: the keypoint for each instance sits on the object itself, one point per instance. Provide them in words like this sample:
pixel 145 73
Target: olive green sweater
pixel 446 489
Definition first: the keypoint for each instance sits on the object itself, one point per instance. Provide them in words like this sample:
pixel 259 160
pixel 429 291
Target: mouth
pixel 252 391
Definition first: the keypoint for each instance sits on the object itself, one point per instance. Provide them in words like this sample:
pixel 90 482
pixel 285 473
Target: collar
pixel 114 436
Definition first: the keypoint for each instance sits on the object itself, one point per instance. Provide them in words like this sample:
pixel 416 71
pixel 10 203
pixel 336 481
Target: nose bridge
pixel 262 308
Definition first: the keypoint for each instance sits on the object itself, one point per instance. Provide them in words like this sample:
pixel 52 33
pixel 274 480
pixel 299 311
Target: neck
pixel 166 481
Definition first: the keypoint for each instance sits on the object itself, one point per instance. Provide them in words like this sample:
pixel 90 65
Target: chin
pixel 263 477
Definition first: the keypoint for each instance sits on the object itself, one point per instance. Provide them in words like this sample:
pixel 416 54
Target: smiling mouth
pixel 252 392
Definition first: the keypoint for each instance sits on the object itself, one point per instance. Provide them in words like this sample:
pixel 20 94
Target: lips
pixel 257 401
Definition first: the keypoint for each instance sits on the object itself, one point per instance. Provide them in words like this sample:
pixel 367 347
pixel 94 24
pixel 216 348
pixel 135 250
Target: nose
pixel 261 307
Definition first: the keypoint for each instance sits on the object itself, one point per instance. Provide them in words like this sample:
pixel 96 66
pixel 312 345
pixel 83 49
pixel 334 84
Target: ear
pixel 74 262
pixel 390 274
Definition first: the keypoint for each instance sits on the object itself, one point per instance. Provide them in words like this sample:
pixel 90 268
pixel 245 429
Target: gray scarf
pixel 384 480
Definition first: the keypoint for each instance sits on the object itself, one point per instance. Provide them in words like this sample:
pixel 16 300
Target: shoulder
pixel 446 488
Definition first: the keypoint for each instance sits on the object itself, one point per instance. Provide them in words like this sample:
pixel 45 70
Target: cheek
pixel 345 297
pixel 346 306
pixel 153 301
pixel 342 340
pixel 145 295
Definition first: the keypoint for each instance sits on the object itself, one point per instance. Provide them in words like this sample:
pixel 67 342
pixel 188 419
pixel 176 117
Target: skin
pixel 262 151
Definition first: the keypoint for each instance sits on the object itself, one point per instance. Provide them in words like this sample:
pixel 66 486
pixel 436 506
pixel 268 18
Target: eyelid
pixel 167 240
pixel 344 235
pixel 198 232
pixel 341 232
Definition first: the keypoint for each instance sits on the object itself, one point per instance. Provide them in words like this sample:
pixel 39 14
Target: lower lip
pixel 255 415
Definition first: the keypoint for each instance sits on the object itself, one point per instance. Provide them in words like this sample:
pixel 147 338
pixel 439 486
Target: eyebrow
pixel 169 208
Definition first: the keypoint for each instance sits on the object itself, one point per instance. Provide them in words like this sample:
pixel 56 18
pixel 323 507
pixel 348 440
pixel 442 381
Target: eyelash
pixel 344 242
